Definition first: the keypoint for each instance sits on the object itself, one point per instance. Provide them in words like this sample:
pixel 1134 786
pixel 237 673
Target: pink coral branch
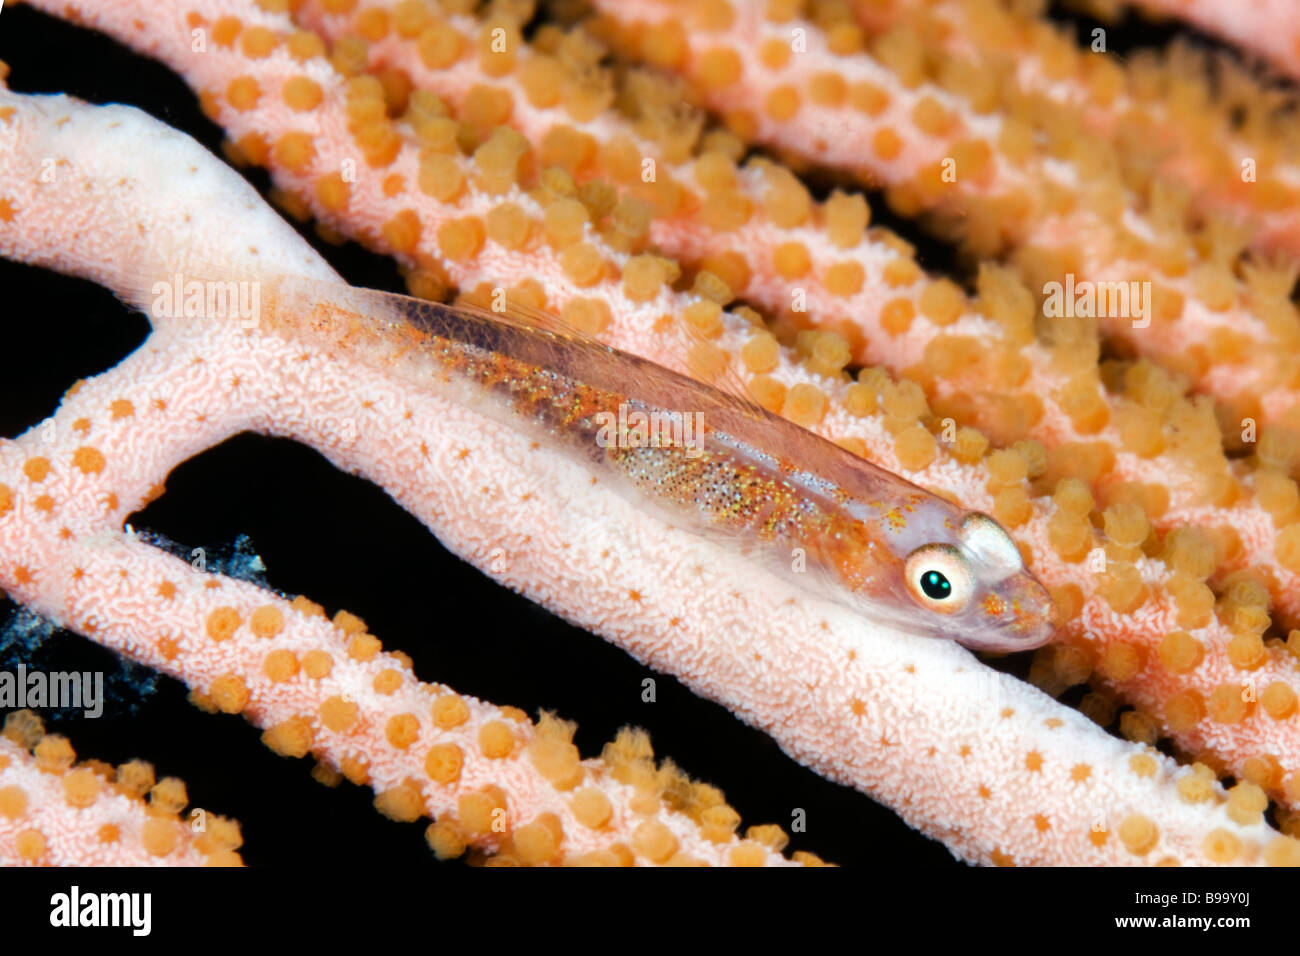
pixel 1270 29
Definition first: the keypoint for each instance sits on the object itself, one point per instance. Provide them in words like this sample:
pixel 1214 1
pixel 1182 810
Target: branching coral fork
pixel 315 685
pixel 360 725
pixel 509 257
pixel 488 232
pixel 1029 782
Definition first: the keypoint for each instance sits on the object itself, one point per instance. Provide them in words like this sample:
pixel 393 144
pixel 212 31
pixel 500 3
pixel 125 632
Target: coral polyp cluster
pixel 57 810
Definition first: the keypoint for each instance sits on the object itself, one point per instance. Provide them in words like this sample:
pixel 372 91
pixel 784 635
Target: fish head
pixel 974 582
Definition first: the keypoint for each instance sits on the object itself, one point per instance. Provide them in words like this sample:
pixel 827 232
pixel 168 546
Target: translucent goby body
pixel 702 457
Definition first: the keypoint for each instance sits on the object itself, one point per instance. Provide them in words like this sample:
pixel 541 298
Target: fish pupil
pixel 935 585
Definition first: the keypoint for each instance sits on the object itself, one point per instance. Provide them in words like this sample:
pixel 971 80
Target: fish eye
pixel 939 578
pixel 935 585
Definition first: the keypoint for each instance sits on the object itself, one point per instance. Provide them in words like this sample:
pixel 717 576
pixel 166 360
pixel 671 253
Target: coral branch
pixel 1271 31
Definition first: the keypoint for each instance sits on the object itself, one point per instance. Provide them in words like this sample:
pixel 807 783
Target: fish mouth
pixel 1020 617
pixel 1031 617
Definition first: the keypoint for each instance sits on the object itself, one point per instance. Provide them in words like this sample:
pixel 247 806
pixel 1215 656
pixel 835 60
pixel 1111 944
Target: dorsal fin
pixel 721 376
pixel 527 316
pixel 705 362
